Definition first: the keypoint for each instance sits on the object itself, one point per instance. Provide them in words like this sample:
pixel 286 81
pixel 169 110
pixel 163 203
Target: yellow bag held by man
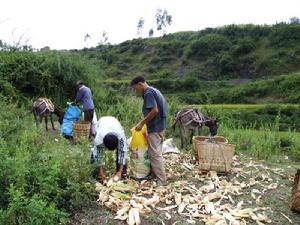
pixel 139 159
pixel 139 138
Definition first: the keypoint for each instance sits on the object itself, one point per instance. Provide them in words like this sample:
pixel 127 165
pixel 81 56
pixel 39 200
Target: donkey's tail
pixel 174 124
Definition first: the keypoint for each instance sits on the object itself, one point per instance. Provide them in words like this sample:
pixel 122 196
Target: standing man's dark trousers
pixel 88 116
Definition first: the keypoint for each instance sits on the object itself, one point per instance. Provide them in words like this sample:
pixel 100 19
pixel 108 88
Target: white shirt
pixel 109 124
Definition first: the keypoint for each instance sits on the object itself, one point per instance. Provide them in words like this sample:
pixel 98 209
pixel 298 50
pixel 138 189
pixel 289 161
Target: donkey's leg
pixel 41 119
pixel 193 133
pixel 185 137
pixel 46 122
pixel 182 134
pixel 35 119
pixel 51 119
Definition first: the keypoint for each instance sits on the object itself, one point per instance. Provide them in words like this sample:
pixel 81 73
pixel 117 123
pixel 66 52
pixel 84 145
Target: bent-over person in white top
pixel 110 135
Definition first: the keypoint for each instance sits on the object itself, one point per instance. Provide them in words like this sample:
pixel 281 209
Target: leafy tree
pixel 294 20
pixel 140 26
pixel 87 37
pixel 208 45
pixel 104 38
pixel 151 32
pixel 163 19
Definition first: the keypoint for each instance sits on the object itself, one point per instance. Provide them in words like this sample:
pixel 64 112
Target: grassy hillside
pixel 234 51
pixel 278 89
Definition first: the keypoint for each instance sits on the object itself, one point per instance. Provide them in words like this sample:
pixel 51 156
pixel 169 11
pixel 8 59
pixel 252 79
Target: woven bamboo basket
pixel 213 153
pixel 81 130
pixel 295 202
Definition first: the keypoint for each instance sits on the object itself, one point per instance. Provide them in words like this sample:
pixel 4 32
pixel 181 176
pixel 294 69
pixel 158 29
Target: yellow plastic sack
pixel 139 159
pixel 139 138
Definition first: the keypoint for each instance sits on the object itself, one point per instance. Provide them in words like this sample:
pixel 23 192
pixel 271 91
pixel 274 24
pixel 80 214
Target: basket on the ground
pixel 295 202
pixel 81 129
pixel 213 153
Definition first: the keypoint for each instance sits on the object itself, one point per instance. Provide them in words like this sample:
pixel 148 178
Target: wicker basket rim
pixel 218 139
pixel 82 122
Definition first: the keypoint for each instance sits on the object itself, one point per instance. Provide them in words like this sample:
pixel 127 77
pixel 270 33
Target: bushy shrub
pixel 244 46
pixel 51 74
pixel 42 181
pixel 208 45
pixel 285 35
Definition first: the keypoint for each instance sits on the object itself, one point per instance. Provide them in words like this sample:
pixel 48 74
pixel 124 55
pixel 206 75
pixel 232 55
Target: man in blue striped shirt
pixel 85 96
pixel 110 135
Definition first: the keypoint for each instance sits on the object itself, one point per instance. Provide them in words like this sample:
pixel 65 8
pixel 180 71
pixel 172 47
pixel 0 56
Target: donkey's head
pixel 213 126
pixel 60 113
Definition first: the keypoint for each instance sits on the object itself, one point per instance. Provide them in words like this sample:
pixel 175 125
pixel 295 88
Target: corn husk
pixel 212 198
pixel 123 210
pixel 136 216
pixel 131 219
pixel 181 207
pixel 177 197
pixel 152 201
pixel 120 195
pixel 103 197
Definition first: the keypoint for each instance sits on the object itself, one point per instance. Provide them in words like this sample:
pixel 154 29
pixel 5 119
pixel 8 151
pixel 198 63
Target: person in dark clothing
pixel 155 112
pixel 84 95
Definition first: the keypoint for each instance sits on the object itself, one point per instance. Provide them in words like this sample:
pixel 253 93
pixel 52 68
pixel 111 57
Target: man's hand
pixel 139 126
pixel 101 175
pixel 71 103
pixel 117 176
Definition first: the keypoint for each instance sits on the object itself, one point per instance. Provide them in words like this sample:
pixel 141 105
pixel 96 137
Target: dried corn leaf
pixel 177 198
pixel 230 218
pixel 120 195
pixel 181 207
pixel 103 197
pixel 130 219
pixel 122 217
pixel 263 218
pixel 152 201
pixel 122 187
pixel 123 210
pixel 210 208
pixel 136 216
pixel 167 208
pixel 243 213
pixel 100 187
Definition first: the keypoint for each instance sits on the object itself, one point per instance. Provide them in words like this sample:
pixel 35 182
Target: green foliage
pixel 30 211
pixel 282 89
pixel 233 51
pixel 51 74
pixel 285 35
pixel 41 181
pixel 266 143
pixel 244 46
pixel 258 116
pixel 208 45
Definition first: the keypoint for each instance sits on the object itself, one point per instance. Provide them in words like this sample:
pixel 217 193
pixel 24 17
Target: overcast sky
pixel 63 24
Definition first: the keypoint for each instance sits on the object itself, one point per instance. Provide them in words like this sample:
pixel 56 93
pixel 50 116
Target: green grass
pixel 246 106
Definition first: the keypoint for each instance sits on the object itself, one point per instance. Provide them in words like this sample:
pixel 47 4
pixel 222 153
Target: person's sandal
pixel 160 183
pixel 102 180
